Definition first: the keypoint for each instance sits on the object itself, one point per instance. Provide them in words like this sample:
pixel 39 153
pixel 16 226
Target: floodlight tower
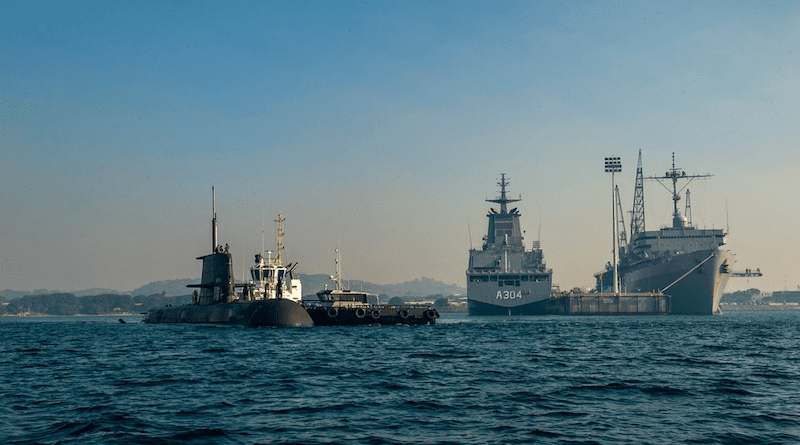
pixel 614 165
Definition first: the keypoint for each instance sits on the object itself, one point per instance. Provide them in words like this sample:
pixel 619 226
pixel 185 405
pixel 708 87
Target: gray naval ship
pixel 503 278
pixel 680 260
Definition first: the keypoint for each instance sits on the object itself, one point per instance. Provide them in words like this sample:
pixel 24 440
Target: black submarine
pixel 218 302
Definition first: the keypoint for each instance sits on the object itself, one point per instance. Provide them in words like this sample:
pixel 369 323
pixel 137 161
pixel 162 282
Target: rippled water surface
pixel 467 380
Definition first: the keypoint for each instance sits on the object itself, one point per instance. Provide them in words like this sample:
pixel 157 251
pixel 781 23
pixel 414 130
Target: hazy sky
pixel 382 127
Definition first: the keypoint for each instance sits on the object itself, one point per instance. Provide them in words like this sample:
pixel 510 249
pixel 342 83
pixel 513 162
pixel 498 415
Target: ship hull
pixel 271 313
pixel 326 315
pixel 697 293
pixel 543 307
pixel 489 299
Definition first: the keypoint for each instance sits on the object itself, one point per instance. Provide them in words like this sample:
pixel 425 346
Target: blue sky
pixel 381 127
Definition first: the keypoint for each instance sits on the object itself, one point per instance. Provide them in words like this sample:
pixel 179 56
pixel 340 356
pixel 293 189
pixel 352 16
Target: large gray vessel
pixel 680 260
pixel 503 278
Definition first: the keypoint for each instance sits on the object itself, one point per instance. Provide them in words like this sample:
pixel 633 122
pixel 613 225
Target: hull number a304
pixel 508 295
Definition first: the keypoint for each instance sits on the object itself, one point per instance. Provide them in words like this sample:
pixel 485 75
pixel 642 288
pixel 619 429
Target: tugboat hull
pixel 324 315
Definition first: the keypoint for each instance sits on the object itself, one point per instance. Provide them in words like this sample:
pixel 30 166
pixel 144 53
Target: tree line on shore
pixel 69 304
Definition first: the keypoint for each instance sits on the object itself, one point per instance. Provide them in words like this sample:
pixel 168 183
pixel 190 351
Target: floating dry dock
pixel 579 303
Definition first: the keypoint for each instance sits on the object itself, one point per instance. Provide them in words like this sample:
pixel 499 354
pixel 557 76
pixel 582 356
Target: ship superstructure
pixel 503 278
pixel 269 278
pixel 680 260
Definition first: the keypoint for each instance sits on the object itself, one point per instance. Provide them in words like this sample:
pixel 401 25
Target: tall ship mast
pixel 502 277
pixel 680 260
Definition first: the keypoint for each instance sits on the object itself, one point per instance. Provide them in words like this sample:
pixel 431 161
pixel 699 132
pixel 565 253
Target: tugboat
pixel 344 307
pixel 268 276
pixel 218 302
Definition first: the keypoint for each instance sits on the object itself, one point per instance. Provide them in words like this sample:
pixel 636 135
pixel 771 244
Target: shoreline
pixel 759 307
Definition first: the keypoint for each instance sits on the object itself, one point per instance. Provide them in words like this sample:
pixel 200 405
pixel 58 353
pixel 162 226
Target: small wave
pixel 738 438
pixel 82 409
pixel 91 426
pixel 771 374
pixel 425 404
pixel 541 433
pixel 203 433
pixel 665 391
pixel 611 386
pixel 429 355
pixel 316 409
pixel 565 414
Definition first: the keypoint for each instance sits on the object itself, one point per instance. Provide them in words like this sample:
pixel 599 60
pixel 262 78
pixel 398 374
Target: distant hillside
pixel 311 285
pixel 426 286
pixel 170 288
pixel 95 291
pixel 69 304
pixel 8 294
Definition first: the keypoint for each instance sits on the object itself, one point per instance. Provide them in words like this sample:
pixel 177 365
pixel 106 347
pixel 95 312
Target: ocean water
pixel 729 379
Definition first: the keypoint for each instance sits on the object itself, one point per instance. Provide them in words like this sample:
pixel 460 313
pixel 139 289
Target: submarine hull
pixel 272 313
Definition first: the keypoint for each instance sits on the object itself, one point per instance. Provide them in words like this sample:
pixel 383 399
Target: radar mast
pixel 502 200
pixel 674 174
pixel 279 240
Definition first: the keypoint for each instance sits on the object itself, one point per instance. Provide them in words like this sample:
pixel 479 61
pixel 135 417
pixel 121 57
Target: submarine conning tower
pixel 216 283
pixel 504 228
